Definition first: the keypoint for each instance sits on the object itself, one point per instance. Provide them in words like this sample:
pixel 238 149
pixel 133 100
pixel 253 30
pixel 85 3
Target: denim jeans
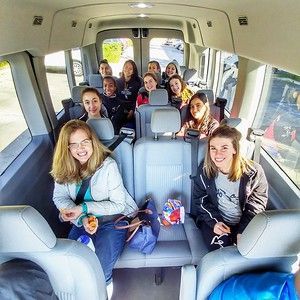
pixel 109 244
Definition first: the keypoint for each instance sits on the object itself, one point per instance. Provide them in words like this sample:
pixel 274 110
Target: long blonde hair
pixel 65 168
pixel 239 164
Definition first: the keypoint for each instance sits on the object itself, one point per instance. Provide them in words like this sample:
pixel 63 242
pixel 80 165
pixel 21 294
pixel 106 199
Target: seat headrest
pixel 24 229
pixel 158 97
pixel 190 75
pixel 165 120
pixel 240 124
pixel 95 80
pixel 76 93
pixel 209 94
pixel 272 234
pixel 103 128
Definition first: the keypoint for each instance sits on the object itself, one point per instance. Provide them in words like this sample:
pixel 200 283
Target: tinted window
pixel 77 65
pixel 280 118
pixel 55 64
pixel 12 122
pixel 117 51
pixel 165 50
pixel 228 81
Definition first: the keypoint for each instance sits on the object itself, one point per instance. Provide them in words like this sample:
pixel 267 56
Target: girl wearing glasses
pixel 79 155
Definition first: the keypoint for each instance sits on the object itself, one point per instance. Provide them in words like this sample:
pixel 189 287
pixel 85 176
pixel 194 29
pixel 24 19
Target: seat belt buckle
pixel 130 134
pixel 191 134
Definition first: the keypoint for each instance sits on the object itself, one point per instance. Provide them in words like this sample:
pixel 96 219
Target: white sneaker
pixel 109 289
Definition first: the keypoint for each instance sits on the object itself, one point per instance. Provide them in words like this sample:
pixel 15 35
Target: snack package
pixel 172 213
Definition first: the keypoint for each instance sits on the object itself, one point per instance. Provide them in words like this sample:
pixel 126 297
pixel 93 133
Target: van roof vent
pixel 243 20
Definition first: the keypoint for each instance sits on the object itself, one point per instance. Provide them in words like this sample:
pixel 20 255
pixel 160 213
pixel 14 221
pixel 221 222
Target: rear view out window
pixel 12 122
pixel 281 122
pixel 117 51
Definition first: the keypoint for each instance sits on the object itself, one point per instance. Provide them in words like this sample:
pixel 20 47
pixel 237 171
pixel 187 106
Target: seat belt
pixel 83 188
pixel 192 136
pixel 117 142
pixel 124 133
pixel 256 136
pixel 221 103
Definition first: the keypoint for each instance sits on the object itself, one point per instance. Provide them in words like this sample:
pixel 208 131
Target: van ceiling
pixel 271 33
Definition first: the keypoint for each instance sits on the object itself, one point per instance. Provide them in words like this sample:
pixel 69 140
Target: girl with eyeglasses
pixel 79 155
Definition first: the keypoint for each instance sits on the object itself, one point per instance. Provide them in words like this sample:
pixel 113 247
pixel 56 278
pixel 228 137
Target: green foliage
pixel 3 64
pixel 112 52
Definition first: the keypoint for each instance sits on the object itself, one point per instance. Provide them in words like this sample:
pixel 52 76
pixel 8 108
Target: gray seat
pixel 123 154
pixel 246 146
pixel 214 110
pixel 157 99
pixel 190 76
pixel 76 93
pixel 73 269
pixel 96 81
pixel 161 169
pixel 257 250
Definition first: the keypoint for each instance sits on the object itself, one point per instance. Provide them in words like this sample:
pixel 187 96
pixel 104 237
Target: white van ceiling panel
pixel 18 31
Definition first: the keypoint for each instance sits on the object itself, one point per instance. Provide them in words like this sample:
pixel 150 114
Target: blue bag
pixel 269 285
pixel 144 228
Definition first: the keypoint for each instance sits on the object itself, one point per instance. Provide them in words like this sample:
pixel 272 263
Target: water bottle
pixel 85 239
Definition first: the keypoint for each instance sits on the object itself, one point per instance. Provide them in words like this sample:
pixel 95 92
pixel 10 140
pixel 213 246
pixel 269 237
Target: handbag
pixel 143 229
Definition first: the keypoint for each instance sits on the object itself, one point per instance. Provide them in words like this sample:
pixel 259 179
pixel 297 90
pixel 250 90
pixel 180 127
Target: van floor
pixel 136 284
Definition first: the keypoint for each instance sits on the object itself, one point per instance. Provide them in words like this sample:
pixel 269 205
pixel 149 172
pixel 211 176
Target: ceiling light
pixel 141 5
pixel 143 16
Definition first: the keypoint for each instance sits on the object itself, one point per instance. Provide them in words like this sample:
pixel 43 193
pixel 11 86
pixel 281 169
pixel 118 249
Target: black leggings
pixel 214 241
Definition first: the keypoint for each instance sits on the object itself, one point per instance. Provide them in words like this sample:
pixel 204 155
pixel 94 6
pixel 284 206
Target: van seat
pixel 26 234
pixel 123 154
pixel 247 147
pixel 96 81
pixel 157 99
pixel 270 242
pixel 190 76
pixel 161 170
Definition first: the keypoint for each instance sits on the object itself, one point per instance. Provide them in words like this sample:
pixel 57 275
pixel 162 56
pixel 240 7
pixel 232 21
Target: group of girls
pixel 229 189
pixel 123 95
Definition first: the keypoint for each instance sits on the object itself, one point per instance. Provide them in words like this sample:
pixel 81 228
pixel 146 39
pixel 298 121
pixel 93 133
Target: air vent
pixel 37 20
pixel 74 24
pixel 243 21
pixel 90 25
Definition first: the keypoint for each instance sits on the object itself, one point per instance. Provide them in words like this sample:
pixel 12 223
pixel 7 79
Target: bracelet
pixel 84 208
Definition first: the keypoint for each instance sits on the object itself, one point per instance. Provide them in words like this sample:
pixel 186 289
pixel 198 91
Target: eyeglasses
pixel 84 143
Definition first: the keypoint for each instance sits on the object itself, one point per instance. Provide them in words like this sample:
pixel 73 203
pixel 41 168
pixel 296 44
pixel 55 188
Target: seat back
pixel 214 110
pixel 73 269
pixel 157 99
pixel 246 146
pixel 96 81
pixel 123 154
pixel 190 76
pixel 270 242
pixel 162 166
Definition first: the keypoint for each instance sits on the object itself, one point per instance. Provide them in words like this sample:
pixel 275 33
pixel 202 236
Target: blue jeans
pixel 109 244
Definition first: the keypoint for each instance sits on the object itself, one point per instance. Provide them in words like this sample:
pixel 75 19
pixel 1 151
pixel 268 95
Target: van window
pixel 165 50
pixel 77 65
pixel 228 80
pixel 55 64
pixel 117 51
pixel 280 118
pixel 12 121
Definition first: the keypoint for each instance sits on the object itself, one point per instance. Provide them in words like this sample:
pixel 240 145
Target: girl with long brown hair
pixel 229 189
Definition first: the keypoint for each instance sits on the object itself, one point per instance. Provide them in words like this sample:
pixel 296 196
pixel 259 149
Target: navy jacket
pixel 253 197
